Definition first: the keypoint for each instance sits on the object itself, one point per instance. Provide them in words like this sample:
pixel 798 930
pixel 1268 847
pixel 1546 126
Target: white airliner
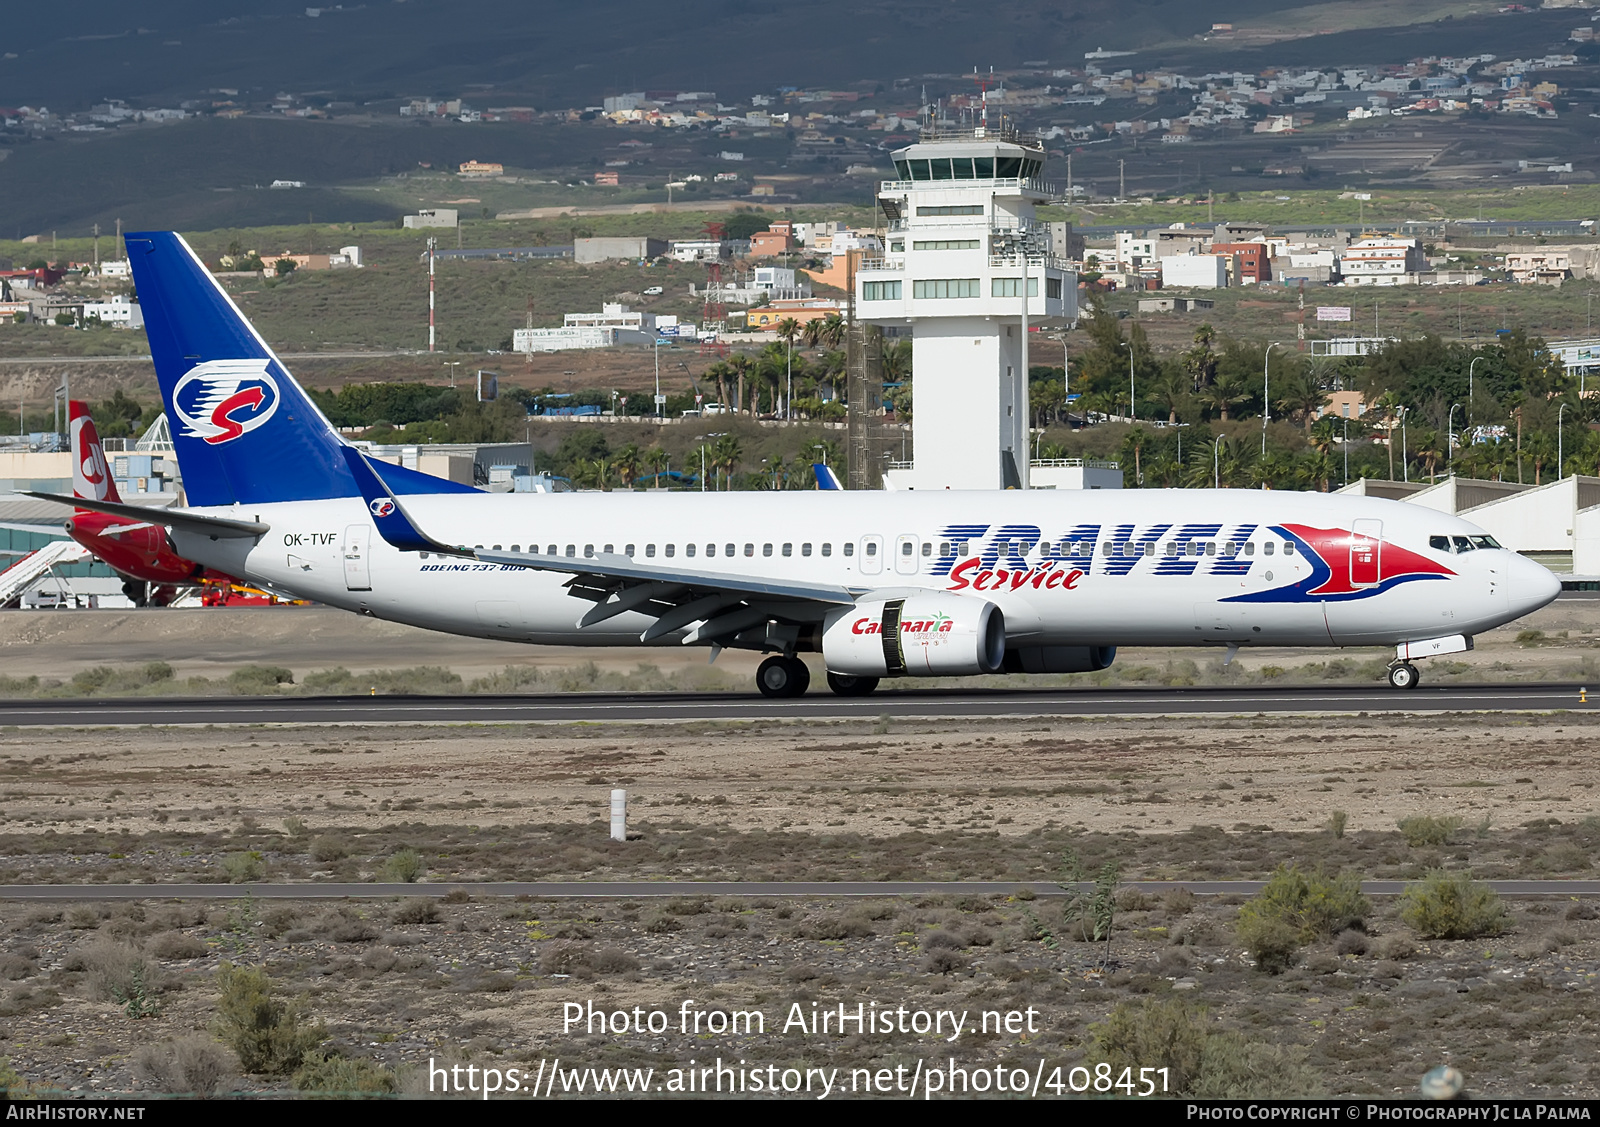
pixel 881 584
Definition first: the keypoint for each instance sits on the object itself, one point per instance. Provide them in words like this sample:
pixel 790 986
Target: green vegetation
pixel 404 866
pixel 1453 906
pixel 264 1031
pixel 326 1075
pixel 1203 1062
pixel 1427 830
pixel 1297 908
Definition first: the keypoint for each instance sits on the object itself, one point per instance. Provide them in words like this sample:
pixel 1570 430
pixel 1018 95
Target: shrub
pixel 294 827
pixel 1452 906
pixel 243 867
pixel 264 1031
pixel 1235 1068
pixel 1156 1033
pixel 1423 829
pixel 1296 908
pixel 404 866
pixel 851 926
pixel 10 1080
pixel 116 973
pixel 564 958
pixel 1337 822
pixel 613 960
pixel 191 1066
pixel 330 1076
pixel 329 847
pixel 1201 1062
pixel 253 680
pixel 177 945
pixel 418 910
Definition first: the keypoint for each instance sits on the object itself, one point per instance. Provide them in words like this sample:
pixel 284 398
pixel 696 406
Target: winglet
pixel 391 519
pixel 826 478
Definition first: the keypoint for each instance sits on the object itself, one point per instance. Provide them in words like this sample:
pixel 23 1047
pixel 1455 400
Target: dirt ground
pixel 487 982
pixel 102 998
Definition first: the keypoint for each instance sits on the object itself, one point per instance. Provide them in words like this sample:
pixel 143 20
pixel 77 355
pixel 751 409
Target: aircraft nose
pixel 1530 585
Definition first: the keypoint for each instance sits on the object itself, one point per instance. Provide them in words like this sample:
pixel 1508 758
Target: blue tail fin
pixel 826 478
pixel 243 430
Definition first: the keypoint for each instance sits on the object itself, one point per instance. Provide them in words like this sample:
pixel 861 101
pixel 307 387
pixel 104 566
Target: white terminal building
pixel 963 247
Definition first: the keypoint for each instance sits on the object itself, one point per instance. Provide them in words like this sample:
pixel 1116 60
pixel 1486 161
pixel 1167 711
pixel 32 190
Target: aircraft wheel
pixel 1404 676
pixel 137 591
pixel 783 677
pixel 845 685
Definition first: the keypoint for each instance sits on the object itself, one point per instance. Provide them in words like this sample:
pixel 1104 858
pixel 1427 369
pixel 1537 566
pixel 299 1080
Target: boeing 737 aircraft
pixel 880 584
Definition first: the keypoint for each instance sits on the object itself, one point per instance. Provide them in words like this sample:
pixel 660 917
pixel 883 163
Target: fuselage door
pixel 1366 553
pixel 357 540
pixel 871 549
pixel 905 555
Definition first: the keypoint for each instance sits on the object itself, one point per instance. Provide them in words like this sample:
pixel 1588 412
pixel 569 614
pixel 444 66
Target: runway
pixel 632 890
pixel 929 704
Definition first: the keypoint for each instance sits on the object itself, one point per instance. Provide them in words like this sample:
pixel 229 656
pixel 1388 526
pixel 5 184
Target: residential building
pixel 1250 262
pixel 1383 260
pixel 477 169
pixel 1195 271
pixel 613 315
pixel 120 312
pixel 767 317
pixel 770 243
pixel 432 217
pixel 1541 267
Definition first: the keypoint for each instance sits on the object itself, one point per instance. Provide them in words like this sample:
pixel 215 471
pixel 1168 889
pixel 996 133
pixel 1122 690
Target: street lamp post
pixel 660 399
pixel 1344 444
pixel 1132 415
pixel 1266 396
pixel 1450 437
pixel 1405 455
pixel 1560 450
pixel 1470 366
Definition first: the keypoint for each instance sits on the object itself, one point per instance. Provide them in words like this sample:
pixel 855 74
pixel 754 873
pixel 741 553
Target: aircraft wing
pixel 198 523
pixel 723 608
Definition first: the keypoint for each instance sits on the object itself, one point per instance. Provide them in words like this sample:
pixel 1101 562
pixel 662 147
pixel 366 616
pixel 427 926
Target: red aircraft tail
pixel 91 475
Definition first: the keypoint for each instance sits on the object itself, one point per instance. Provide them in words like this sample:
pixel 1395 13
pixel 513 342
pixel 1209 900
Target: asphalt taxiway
pixel 668 707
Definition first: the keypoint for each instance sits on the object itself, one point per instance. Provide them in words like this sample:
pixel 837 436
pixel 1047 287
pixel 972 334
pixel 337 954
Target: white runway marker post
pixel 619 815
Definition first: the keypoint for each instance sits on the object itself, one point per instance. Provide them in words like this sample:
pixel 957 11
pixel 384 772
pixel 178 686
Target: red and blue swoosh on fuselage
pixel 1328 551
pixel 1013 557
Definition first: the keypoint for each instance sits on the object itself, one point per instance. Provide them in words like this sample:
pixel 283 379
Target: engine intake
pixel 934 635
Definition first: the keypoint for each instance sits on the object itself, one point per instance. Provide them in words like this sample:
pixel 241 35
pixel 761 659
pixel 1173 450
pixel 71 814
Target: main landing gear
pixel 781 677
pixel 1404 675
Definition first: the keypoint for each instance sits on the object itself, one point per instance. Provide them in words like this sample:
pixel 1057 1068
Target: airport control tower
pixel 962 248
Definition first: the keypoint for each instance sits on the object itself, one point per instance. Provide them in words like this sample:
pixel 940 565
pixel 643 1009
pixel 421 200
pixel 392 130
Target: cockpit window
pixel 1484 542
pixel 1462 544
pixel 1439 543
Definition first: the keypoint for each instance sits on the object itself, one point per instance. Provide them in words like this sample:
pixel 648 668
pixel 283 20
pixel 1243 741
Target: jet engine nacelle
pixel 1060 659
pixel 936 635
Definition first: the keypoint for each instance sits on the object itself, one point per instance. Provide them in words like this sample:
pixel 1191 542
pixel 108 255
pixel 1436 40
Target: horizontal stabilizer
pixel 218 528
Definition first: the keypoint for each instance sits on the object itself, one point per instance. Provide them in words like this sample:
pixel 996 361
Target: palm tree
pixel 1301 397
pixel 834 328
pixel 1224 392
pixel 741 364
pixel 1172 390
pixel 627 465
pixel 658 460
pixel 724 457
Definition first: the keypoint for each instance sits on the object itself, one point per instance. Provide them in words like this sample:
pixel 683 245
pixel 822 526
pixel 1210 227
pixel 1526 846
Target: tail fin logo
pixel 222 400
pixel 91 474
pixel 381 506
